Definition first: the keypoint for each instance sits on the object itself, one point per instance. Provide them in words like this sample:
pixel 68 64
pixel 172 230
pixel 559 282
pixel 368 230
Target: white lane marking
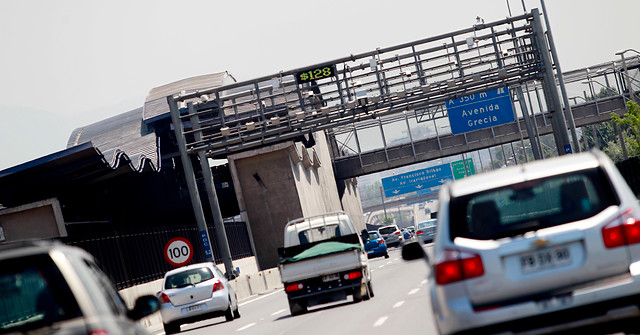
pixel 278 312
pixel 414 291
pixel 261 297
pixel 424 281
pixel 246 327
pixel 389 262
pixel 398 304
pixel 395 259
pixel 380 321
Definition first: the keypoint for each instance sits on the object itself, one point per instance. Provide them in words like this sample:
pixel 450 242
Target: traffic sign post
pixel 178 251
pixel 481 110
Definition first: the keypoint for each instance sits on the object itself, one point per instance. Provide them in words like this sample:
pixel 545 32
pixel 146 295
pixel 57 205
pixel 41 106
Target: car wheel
pixel 386 255
pixel 171 328
pixel 358 295
pixel 370 286
pixel 236 312
pixel 297 308
pixel 228 315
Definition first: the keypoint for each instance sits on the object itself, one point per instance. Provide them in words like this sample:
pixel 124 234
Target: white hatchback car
pixel 543 247
pixel 194 293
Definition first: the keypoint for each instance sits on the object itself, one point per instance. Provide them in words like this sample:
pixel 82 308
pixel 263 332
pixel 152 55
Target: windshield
pixel 319 233
pixel 33 294
pixel 532 205
pixel 188 278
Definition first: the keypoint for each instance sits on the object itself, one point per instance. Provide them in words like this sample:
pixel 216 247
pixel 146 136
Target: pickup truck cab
pixel 323 260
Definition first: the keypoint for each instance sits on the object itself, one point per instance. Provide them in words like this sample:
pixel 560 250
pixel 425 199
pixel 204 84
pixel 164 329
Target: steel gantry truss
pixel 406 77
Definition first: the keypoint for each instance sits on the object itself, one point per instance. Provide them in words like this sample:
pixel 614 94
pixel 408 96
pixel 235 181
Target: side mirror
pixel 145 306
pixel 412 251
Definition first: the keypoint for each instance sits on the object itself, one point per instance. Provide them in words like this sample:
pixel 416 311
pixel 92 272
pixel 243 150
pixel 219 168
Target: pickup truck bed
pixel 325 271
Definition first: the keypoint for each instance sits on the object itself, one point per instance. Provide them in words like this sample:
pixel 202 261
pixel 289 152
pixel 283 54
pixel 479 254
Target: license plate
pixel 192 308
pixel 545 259
pixel 330 278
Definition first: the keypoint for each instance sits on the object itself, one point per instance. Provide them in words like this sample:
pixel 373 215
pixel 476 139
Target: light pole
pixel 634 98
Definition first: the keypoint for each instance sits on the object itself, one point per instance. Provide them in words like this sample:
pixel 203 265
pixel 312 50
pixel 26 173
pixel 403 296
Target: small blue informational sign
pixel 421 181
pixel 205 244
pixel 567 149
pixel 480 110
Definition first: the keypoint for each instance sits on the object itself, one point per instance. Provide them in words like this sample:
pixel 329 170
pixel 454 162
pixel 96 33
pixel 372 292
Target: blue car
pixel 374 245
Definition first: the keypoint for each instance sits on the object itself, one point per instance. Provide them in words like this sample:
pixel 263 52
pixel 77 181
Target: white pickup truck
pixel 323 260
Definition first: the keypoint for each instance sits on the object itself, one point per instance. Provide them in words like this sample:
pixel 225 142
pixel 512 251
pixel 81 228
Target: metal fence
pixel 136 256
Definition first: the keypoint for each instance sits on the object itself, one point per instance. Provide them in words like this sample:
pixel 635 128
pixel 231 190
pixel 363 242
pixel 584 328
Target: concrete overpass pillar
pixel 286 181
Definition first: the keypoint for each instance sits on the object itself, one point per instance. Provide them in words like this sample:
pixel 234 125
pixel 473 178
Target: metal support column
pixel 190 177
pixel 558 122
pixel 218 223
pixel 563 89
pixel 525 115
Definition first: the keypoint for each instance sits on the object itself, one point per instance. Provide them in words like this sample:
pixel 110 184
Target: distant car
pixel 548 246
pixel 425 230
pixel 49 287
pixel 406 233
pixel 392 235
pixel 194 293
pixel 374 245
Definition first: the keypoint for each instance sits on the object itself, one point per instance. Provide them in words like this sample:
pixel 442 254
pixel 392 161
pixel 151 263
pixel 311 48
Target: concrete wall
pixel 314 178
pixel 38 220
pixel 287 181
pixel 352 205
pixel 269 204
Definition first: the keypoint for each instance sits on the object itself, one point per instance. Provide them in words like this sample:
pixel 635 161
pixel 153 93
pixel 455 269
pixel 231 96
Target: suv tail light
pixel 456 266
pixel 623 230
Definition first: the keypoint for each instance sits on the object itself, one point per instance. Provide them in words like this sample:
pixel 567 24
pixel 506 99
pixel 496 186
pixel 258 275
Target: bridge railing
pixel 382 82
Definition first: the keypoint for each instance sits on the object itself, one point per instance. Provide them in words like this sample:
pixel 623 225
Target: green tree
pixel 630 123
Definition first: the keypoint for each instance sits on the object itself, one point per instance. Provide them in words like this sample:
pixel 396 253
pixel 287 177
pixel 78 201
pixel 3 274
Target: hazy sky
pixel 67 64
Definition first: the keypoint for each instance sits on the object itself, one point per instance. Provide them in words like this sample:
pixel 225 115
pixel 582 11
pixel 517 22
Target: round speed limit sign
pixel 178 251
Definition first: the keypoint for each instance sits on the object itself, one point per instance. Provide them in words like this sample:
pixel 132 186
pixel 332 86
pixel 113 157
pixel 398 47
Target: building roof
pixel 121 138
pixel 51 175
pixel 156 106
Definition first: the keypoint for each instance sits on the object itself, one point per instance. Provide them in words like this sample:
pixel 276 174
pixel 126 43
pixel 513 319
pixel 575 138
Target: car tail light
pixel 294 287
pixel 623 230
pixel 164 299
pixel 456 266
pixel 352 275
pixel 380 241
pixel 218 286
pixel 99 332
pixel 419 232
pixel 397 233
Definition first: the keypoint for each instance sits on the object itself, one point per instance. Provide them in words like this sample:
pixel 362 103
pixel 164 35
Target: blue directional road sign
pixel 420 181
pixel 480 110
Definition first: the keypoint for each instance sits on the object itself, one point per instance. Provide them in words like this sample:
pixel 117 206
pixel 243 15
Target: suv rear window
pixel 387 230
pixel 531 205
pixel 33 294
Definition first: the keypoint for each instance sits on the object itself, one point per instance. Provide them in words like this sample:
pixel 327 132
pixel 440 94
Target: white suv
pixel 543 247
pixel 391 235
